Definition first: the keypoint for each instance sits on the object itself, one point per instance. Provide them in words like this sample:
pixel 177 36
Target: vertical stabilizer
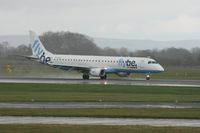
pixel 38 49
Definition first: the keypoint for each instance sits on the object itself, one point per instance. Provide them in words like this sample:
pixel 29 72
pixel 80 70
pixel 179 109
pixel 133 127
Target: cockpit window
pixel 152 62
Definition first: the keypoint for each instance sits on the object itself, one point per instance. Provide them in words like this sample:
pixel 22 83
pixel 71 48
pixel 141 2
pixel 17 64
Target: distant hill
pixel 15 40
pixel 132 45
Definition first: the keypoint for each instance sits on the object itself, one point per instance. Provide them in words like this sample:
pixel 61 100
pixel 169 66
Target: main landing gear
pixel 85 76
pixel 103 77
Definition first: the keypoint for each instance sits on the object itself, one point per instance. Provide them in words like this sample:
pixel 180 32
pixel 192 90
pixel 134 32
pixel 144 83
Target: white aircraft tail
pixel 38 49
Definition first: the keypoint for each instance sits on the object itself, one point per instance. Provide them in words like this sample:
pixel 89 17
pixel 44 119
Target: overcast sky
pixel 125 19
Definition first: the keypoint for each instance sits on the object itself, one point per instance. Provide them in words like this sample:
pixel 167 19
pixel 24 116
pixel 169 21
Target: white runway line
pixel 99 121
pixel 46 105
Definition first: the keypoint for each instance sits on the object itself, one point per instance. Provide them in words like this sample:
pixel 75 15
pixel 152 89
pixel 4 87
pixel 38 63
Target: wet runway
pixel 44 105
pixel 99 121
pixel 123 81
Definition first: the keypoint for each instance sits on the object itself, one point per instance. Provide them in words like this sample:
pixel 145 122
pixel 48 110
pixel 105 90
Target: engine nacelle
pixel 97 72
pixel 123 74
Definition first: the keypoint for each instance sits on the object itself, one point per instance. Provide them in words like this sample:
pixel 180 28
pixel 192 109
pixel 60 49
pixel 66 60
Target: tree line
pixel 75 43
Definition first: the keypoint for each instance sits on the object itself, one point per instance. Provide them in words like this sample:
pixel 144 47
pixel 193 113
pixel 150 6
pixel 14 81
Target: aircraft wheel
pixel 148 77
pixel 103 77
pixel 86 76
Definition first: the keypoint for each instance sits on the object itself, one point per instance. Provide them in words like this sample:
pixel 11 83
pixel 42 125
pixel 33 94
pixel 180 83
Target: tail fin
pixel 38 49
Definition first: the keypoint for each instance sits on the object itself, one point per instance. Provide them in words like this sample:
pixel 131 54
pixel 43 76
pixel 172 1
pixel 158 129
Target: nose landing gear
pixel 148 77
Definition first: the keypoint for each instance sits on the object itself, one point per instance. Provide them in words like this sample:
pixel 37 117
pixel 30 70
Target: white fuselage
pixel 97 66
pixel 111 64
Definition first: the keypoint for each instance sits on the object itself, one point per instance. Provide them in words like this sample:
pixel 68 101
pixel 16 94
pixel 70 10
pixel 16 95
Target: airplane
pixel 95 66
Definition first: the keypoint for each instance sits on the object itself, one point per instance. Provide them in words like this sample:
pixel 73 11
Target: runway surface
pixel 43 105
pixel 124 81
pixel 99 121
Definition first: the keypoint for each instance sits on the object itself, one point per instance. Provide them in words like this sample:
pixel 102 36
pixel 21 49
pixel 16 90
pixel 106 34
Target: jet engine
pixel 97 72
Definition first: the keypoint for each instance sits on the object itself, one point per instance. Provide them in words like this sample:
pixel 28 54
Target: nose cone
pixel 161 69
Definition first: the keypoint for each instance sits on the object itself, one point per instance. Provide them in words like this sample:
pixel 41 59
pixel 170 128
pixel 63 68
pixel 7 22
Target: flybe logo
pixel 36 48
pixel 127 63
pixel 44 59
pixel 38 51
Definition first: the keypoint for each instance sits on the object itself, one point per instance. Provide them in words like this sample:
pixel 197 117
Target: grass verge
pixel 83 92
pixel 93 128
pixel 111 113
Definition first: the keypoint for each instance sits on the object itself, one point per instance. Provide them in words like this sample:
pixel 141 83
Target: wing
pixel 72 67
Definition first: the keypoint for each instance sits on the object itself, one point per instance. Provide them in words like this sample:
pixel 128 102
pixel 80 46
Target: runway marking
pixel 99 121
pixel 60 105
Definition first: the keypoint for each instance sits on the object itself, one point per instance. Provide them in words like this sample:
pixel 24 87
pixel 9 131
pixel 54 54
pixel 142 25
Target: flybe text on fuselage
pixel 127 63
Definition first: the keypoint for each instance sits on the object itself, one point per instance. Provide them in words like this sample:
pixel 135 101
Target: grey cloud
pixel 134 19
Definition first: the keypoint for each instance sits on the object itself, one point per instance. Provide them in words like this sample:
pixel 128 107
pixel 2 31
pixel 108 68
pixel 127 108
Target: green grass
pixel 187 73
pixel 35 70
pixel 31 128
pixel 93 93
pixel 104 113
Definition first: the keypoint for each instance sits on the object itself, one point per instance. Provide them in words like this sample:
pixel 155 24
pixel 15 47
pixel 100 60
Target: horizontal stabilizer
pixel 31 57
